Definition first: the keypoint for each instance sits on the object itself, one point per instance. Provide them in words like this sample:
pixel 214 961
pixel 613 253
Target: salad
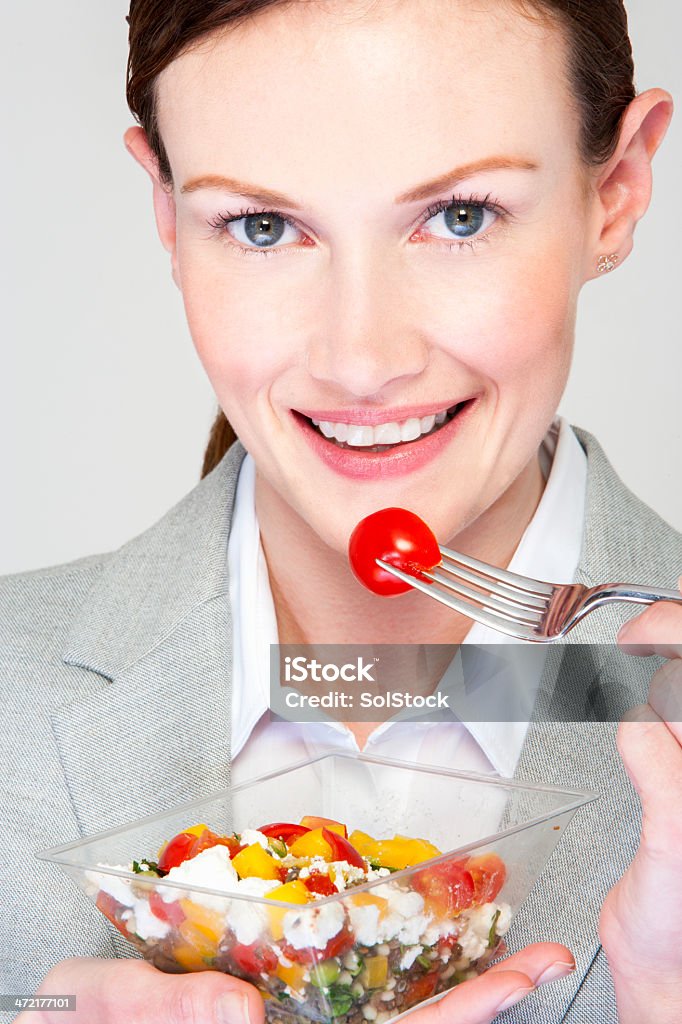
pixel 330 930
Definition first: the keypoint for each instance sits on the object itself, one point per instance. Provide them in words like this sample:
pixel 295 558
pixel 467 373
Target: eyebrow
pixel 428 188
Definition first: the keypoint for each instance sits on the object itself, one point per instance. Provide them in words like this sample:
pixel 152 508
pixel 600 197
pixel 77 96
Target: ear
pixel 164 204
pixel 623 187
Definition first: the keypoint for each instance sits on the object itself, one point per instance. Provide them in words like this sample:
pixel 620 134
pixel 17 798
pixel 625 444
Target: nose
pixel 367 334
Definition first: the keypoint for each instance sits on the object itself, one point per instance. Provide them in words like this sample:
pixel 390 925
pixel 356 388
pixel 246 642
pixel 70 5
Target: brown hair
pixel 601 73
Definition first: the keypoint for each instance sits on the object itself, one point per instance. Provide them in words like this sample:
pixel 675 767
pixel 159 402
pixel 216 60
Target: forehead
pixel 365 95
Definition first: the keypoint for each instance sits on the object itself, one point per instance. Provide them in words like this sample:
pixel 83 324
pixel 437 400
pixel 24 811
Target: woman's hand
pixel 639 923
pixel 134 992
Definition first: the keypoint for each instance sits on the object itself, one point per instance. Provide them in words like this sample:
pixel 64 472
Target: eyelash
pixel 220 222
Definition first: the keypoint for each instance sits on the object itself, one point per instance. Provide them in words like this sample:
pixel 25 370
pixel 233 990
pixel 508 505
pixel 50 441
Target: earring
pixel 607 263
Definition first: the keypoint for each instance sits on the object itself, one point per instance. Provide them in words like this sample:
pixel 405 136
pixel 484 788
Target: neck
pixel 317 600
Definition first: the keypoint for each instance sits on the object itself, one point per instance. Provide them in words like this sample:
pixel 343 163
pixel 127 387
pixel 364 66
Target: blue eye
pixel 258 230
pixel 458 219
pixel 464 221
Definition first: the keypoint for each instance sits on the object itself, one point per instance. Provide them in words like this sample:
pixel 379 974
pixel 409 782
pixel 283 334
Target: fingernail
pixel 515 997
pixel 232 1008
pixel 559 969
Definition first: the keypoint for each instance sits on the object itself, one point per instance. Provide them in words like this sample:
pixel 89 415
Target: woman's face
pixel 420 250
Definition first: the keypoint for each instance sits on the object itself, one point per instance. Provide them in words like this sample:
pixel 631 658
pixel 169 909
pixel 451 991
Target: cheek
pixel 238 326
pixel 512 322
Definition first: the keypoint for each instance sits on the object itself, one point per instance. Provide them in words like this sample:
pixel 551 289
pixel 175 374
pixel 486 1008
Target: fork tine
pixel 502 624
pixel 513 596
pixel 504 606
pixel 512 579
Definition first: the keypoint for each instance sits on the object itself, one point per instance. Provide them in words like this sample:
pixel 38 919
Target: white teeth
pixel 360 436
pixel 410 430
pixel 387 433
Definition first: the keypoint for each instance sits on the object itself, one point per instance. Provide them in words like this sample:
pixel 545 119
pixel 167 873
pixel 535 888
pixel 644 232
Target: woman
pixel 378 248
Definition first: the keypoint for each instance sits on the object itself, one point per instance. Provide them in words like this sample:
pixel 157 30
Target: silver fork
pixel 516 605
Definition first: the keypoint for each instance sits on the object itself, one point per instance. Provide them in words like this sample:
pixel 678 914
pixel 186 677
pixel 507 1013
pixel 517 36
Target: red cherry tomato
pixel 342 849
pixel 113 910
pixel 186 845
pixel 447 888
pixel 283 830
pixel 254 958
pixel 320 884
pixel 396 536
pixel 489 874
pixel 337 946
pixel 171 913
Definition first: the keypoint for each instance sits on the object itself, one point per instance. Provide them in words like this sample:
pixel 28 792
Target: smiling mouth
pixel 384 436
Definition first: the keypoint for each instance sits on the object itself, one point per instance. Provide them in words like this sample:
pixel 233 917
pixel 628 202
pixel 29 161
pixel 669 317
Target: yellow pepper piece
pixel 210 922
pixel 188 957
pixel 364 844
pixel 313 821
pixel 375 971
pixel 196 830
pixel 254 862
pixel 312 844
pixel 291 892
pixel 196 938
pixel 401 852
pixel 291 976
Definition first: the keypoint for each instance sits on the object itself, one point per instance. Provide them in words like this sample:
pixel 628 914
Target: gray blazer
pixel 115 675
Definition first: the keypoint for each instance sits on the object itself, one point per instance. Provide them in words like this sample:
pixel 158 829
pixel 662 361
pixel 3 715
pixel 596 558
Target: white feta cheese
pixel 146 924
pixel 409 957
pixel 364 922
pixel 119 888
pixel 251 835
pixel 313 927
pixel 476 925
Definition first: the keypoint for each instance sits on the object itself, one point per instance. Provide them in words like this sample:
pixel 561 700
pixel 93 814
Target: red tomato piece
pixel 254 958
pixel 421 988
pixel 489 875
pixel 186 845
pixel 171 913
pixel 320 884
pixel 397 536
pixel 447 887
pixel 337 946
pixel 112 910
pixel 283 830
pixel 342 849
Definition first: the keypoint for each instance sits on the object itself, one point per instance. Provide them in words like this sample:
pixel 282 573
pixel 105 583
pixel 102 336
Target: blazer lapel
pixel 156 628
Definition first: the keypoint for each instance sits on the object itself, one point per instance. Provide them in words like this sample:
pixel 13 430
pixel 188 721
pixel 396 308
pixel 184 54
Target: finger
pixel 658 631
pixel 477 1001
pixel 481 999
pixel 653 759
pixel 665 696
pixel 541 962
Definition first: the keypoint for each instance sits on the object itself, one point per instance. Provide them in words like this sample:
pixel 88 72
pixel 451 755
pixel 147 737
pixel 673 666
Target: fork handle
pixel 631 593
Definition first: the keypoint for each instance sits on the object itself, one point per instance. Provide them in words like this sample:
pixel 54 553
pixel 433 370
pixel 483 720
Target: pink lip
pixel 372 417
pixel 364 465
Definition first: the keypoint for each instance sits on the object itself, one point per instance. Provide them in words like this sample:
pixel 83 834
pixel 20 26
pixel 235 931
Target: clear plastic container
pixel 371 951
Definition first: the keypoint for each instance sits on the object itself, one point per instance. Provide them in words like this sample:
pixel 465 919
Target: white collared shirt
pixel 549 549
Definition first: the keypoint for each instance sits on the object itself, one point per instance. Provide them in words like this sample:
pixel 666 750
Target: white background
pixel 104 408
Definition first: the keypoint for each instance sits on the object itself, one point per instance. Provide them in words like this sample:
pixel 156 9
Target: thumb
pixel 120 991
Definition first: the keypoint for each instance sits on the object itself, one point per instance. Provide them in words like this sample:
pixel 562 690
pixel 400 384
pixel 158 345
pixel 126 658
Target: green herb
pixel 358 967
pixel 146 867
pixel 424 961
pixel 340 1000
pixel 278 847
pixel 492 934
